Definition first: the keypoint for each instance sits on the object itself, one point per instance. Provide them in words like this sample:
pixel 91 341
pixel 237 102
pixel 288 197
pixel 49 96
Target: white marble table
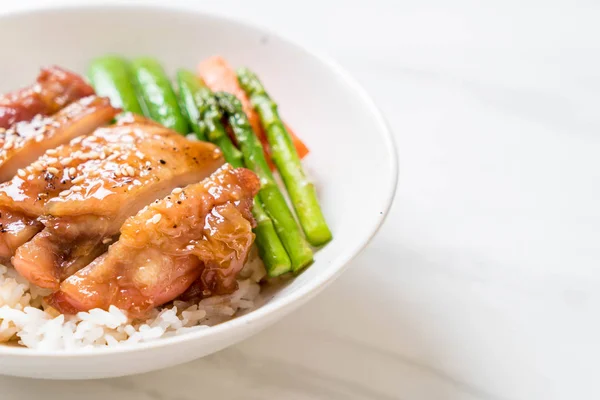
pixel 484 284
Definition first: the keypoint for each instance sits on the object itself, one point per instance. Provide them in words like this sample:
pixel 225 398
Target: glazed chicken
pixel 26 141
pixel 81 193
pixel 22 145
pixel 203 231
pixel 54 89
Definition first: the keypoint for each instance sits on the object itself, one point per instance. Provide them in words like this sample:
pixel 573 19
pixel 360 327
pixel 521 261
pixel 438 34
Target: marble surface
pixel 484 283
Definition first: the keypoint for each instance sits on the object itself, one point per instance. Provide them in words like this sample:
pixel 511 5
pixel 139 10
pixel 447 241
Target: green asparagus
pixel 270 248
pixel 204 116
pixel 111 77
pixel 191 101
pixel 156 94
pixel 291 236
pixel 302 192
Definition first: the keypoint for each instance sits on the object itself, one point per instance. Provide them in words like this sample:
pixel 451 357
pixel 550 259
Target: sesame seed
pixel 130 170
pixel 64 193
pixel 106 240
pixel 177 190
pixel 148 164
pixel 51 152
pixel 37 166
pixel 78 179
pixel 53 170
pixel 66 161
pixel 39 138
pixel 93 155
pixel 51 160
pixel 72 171
pixel 21 173
pixel 155 219
pixel 76 188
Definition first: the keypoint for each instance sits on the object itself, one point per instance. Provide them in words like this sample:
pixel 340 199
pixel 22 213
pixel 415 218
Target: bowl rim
pixel 295 299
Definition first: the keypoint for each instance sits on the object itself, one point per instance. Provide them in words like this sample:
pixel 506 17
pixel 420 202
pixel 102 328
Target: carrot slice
pixel 218 75
pixel 298 144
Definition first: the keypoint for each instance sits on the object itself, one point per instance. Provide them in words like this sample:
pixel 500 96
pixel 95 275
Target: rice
pixel 27 320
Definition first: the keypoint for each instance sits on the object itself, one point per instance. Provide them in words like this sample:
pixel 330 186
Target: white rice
pixel 25 318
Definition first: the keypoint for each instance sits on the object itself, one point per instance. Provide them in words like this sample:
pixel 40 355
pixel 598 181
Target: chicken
pixel 25 142
pixel 16 228
pixel 84 191
pixel 21 199
pixel 203 231
pixel 54 89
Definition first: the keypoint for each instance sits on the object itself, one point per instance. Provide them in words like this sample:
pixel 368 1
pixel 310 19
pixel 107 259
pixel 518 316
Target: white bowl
pixel 352 160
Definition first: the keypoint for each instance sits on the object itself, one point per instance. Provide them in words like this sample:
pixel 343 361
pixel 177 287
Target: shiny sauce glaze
pixel 202 232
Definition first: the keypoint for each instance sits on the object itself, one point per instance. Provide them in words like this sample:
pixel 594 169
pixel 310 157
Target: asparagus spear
pixel 270 248
pixel 111 76
pixel 291 236
pixel 191 101
pixel 302 192
pixel 204 115
pixel 156 94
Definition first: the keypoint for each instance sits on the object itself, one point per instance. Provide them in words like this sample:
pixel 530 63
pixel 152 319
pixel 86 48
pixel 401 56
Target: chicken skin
pixel 26 141
pixel 201 232
pixel 54 89
pixel 81 193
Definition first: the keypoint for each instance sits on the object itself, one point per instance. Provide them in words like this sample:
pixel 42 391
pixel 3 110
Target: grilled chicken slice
pixel 16 228
pixel 54 89
pixel 22 199
pixel 25 142
pixel 203 231
pixel 87 189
